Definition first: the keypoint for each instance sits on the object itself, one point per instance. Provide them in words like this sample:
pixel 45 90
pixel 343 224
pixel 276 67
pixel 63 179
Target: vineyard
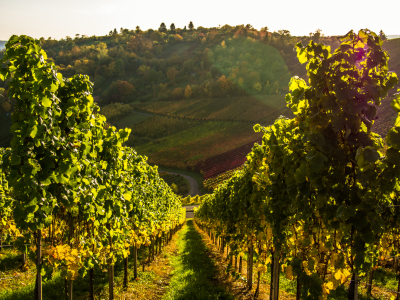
pixel 211 183
pixel 72 197
pixel 186 148
pixel 317 199
pixel 222 163
pixel 262 109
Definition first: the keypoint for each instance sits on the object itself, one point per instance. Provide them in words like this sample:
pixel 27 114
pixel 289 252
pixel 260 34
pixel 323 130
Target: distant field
pixel 254 109
pixel 187 148
pixel 130 119
pixel 224 162
pixel 183 137
pixel 190 134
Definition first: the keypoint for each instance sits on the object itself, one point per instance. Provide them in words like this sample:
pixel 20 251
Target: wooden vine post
pixel 126 272
pixel 356 282
pixel 250 266
pixel 70 236
pixel 298 288
pixel 91 286
pixel 369 283
pixel 135 261
pixel 110 275
pixel 38 288
pixel 397 270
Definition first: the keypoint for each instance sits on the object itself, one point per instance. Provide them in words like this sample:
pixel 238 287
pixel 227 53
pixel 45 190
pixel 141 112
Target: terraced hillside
pixel 194 133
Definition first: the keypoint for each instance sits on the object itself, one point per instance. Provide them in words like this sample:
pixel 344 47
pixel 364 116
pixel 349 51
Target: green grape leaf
pixel 316 161
pixel 46 102
pixel 15 159
pixel 371 155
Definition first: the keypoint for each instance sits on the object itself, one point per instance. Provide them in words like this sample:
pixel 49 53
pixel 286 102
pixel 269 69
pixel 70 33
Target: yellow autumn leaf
pixel 261 268
pixel 346 273
pixel 329 285
pixel 338 275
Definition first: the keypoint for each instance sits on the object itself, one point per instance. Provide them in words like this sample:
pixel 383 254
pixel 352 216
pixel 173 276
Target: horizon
pixel 43 18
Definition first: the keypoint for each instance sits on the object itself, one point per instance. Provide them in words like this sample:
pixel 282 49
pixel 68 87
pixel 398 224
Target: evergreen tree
pixel 172 28
pixel 191 25
pixel 162 27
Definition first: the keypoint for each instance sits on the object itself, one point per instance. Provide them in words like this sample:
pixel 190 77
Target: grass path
pixel 194 275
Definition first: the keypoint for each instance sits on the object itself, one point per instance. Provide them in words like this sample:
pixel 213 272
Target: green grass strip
pixel 194 271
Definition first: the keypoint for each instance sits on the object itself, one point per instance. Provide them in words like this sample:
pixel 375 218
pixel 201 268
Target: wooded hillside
pixel 180 89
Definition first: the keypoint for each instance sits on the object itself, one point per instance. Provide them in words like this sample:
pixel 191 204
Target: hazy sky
pixel 57 19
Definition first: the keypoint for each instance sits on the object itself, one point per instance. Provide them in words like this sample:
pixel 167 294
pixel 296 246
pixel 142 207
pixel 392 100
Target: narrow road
pixel 194 187
pixel 189 211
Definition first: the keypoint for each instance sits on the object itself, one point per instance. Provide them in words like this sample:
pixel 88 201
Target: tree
pixel 149 32
pixel 191 25
pixel 117 68
pixel 188 65
pixel 257 86
pixel 171 73
pixel 317 35
pixel 172 28
pixel 177 93
pixel 115 31
pixel 188 92
pixel 382 35
pixel 264 30
pixel 171 38
pixel 156 36
pixel 223 83
pixel 138 30
pixel 162 28
pixel 122 88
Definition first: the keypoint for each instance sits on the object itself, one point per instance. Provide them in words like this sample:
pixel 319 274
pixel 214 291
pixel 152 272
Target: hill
pixel 2 44
pixel 190 96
